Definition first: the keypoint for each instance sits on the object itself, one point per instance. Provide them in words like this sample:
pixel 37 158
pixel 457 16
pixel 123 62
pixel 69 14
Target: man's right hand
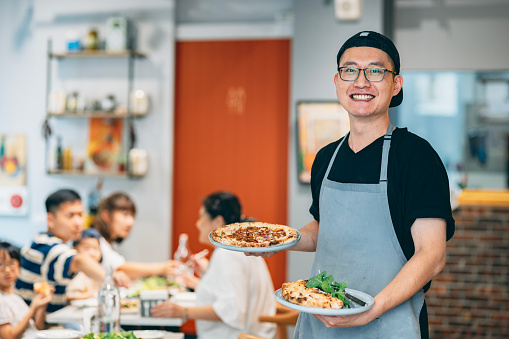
pixel 261 254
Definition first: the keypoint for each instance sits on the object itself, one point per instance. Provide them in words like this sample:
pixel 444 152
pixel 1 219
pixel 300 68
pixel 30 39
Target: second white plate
pixel 58 334
pixel 354 307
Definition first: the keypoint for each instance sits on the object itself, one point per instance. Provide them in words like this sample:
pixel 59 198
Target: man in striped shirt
pixel 50 258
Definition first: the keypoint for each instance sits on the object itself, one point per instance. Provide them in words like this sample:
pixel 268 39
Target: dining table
pixel 77 313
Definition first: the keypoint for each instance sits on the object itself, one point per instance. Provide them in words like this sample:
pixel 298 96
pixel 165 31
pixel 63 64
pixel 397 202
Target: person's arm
pixel 7 331
pixel 309 238
pixel 137 270
pixel 429 236
pixel 83 263
pixel 169 309
pixel 307 243
pixel 40 317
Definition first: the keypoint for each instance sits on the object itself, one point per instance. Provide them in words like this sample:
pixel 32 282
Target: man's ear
pixel 50 220
pixel 398 84
pixel 336 78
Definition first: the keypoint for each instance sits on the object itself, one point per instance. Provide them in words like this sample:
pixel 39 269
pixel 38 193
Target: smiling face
pixel 362 98
pixel 9 271
pixel 66 222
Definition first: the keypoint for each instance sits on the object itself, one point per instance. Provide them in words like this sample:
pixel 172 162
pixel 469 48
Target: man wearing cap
pixel 380 203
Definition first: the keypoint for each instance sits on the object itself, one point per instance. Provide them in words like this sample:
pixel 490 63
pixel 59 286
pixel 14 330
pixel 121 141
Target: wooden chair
pixel 249 336
pixel 284 317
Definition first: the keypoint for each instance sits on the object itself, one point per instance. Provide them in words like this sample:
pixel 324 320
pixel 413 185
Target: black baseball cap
pixel 375 40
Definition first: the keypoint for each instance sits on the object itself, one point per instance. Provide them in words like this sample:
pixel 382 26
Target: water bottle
pixel 108 312
pixel 183 252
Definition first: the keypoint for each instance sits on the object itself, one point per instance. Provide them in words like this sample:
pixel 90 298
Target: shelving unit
pixel 128 117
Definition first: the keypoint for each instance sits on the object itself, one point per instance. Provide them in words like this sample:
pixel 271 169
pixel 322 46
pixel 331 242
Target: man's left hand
pixel 353 320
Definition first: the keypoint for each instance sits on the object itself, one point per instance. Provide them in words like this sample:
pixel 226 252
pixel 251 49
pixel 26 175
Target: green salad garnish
pixel 328 285
pixel 110 335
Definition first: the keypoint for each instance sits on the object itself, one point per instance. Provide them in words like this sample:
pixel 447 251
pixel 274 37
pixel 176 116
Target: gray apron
pixel 357 243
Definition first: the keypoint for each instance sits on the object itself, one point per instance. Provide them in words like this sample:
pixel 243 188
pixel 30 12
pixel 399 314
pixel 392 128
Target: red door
pixel 231 132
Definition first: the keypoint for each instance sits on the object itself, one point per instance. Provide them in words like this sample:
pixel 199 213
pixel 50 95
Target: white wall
pixel 26 26
pixel 316 41
pixel 452 34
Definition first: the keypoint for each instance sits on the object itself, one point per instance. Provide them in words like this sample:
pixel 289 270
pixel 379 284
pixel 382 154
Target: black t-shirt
pixel 417 181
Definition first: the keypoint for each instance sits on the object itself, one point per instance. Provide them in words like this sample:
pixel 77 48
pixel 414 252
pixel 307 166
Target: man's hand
pixel 353 320
pixel 261 254
pixel 168 309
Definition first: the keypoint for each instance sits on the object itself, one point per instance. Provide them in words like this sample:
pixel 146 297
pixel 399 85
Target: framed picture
pixel 319 124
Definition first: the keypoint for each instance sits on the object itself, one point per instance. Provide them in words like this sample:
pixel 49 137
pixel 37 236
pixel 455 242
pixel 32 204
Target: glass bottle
pixel 108 312
pixel 183 252
pixel 59 155
pixel 94 197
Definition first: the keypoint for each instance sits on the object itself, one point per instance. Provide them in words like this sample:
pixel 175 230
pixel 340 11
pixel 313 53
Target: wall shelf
pixel 90 114
pixel 78 173
pixel 97 54
pixel 127 142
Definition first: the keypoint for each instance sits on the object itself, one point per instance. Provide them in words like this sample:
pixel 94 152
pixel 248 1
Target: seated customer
pixel 49 258
pixel 234 290
pixel 82 286
pixel 16 318
pixel 115 218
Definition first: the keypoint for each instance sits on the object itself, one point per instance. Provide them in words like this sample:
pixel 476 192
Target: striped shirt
pixel 48 258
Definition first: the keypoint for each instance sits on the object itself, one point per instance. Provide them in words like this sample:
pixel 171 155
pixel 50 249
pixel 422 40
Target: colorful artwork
pixel 104 145
pixel 12 160
pixel 319 124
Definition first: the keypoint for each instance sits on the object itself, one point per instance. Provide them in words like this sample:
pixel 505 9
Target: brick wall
pixel 470 298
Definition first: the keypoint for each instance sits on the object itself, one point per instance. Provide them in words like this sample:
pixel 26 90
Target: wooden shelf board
pixel 77 173
pixel 97 54
pixel 90 114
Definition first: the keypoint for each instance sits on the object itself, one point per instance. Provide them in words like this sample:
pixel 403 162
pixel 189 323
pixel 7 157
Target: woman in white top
pixel 115 218
pixel 234 290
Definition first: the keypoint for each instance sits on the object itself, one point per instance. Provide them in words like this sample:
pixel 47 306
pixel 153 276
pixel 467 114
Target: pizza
pixel 254 234
pixel 297 293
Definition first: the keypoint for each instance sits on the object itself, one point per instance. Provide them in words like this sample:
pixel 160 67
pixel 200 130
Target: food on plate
pixel 110 335
pixel 320 291
pixel 127 304
pixel 42 287
pixel 254 234
pixel 149 284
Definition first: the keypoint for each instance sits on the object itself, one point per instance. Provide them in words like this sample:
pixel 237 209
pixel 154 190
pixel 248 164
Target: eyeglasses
pixel 372 74
pixel 11 264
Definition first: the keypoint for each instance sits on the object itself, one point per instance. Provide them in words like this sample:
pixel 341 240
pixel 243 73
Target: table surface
pixel 74 314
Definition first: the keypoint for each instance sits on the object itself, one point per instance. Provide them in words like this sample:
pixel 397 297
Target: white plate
pixel 149 334
pixel 91 302
pixel 354 307
pixel 58 334
pixel 255 249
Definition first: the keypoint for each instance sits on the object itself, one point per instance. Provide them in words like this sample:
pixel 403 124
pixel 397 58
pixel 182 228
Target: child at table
pixel 17 319
pixel 82 286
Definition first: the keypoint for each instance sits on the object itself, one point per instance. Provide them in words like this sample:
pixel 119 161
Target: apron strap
pixel 385 153
pixel 334 155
